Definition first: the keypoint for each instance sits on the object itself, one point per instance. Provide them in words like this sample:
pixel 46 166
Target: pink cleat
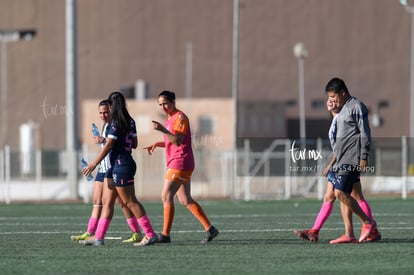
pixel 344 239
pixel 366 230
pixel 309 235
pixel 375 236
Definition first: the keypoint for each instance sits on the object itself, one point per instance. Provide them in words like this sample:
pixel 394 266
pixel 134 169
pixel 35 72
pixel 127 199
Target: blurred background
pixel 249 73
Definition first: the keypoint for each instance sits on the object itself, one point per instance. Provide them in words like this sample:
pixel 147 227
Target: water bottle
pixel 95 130
pixel 83 165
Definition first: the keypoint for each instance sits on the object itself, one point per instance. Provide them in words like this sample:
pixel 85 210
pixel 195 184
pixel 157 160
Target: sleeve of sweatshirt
pixel 363 125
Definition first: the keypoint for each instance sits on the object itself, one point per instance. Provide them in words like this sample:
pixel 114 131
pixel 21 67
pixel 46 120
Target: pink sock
pixel 146 226
pixel 133 224
pixel 92 224
pixel 365 207
pixel 323 215
pixel 103 226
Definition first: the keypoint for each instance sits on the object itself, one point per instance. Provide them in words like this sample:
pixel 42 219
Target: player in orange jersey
pixel 180 166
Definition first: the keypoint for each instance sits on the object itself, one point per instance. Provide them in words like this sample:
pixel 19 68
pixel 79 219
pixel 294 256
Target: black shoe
pixel 163 239
pixel 211 233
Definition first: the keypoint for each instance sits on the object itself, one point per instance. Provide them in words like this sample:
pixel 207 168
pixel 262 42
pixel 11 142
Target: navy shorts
pixel 100 177
pixel 108 173
pixel 346 176
pixel 331 176
pixel 123 173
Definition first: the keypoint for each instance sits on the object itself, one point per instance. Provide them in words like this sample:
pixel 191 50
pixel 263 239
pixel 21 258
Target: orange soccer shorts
pixel 179 176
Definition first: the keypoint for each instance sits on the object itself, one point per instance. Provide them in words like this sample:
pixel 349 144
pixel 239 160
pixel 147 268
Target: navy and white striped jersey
pixel 105 164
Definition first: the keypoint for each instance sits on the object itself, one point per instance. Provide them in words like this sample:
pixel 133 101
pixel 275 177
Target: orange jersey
pixel 179 157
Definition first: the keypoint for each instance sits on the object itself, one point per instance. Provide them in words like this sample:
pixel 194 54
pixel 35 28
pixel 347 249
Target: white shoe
pixel 92 241
pixel 147 241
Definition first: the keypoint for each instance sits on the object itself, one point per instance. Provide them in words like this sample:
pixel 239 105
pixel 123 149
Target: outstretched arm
pixel 175 139
pixel 151 148
pixel 105 150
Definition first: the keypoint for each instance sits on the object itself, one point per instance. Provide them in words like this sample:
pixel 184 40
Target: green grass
pixel 255 238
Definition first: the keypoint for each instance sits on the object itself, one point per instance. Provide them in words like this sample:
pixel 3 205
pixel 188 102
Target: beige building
pixel 211 121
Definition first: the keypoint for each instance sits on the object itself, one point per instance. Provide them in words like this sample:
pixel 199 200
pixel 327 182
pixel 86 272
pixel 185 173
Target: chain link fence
pixel 265 169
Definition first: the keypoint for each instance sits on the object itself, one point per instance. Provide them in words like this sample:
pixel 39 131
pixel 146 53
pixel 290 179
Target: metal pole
pixel 4 114
pixel 301 62
pixel 411 10
pixel 71 99
pixel 235 82
pixel 189 76
pixel 411 137
pixel 189 70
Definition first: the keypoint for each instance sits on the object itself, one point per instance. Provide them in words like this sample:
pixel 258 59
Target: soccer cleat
pixel 211 233
pixel 344 239
pixel 366 230
pixel 92 241
pixel 135 237
pixel 164 238
pixel 374 236
pixel 147 241
pixel 84 236
pixel 311 235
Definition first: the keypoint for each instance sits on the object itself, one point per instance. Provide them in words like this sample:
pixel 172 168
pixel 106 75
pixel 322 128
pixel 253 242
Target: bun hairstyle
pixel 168 95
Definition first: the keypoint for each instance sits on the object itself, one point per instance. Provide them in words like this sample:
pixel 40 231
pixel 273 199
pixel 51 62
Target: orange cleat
pixel 309 235
pixel 375 236
pixel 366 230
pixel 344 239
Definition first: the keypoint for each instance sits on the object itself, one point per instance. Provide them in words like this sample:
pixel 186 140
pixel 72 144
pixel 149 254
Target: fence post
pixel 246 173
pixel 2 174
pixel 404 167
pixel 320 168
pixel 288 178
pixel 7 166
pixel 38 171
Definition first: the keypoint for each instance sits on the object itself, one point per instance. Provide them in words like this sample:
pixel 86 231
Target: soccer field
pixel 256 237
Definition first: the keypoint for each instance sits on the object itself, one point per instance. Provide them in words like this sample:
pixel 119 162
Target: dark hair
pixel 168 95
pixel 104 103
pixel 119 112
pixel 336 85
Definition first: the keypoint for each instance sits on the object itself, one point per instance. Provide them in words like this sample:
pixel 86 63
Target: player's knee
pixel 130 204
pixel 186 202
pixel 340 195
pixel 167 198
pixel 329 198
pixel 120 204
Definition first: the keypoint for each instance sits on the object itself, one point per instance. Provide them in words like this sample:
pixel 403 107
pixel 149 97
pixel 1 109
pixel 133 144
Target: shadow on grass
pixel 276 241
